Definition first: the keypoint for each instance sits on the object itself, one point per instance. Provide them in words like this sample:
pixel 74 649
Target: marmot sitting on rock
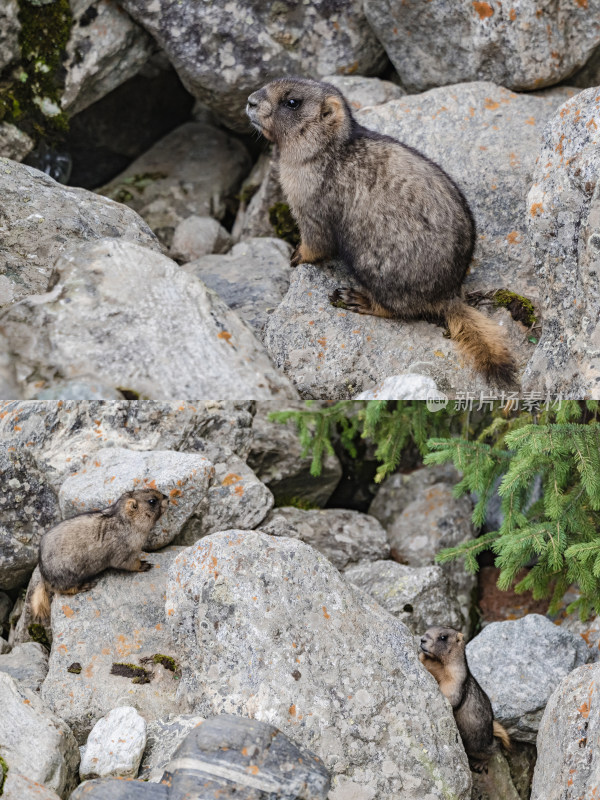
pixel 397 220
pixel 443 654
pixel 77 549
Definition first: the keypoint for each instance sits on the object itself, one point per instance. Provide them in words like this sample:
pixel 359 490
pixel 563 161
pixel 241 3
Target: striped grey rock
pixel 301 639
pixel 567 743
pixel 343 536
pixel 257 42
pixel 28 506
pixel 164 737
pixel 194 170
pixel 252 278
pixel 518 45
pixel 563 215
pixel 419 596
pixel 43 219
pixel 34 741
pixel 115 745
pixel 178 340
pixel 227 756
pixel 519 663
pixel 27 663
pixel 121 620
pixel 183 477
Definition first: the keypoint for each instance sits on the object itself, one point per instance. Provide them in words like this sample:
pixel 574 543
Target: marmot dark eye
pixel 292 103
pixel 443 638
pixel 153 501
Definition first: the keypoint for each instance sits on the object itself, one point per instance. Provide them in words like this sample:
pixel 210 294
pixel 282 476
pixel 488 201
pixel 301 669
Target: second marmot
pixel 397 220
pixel 443 654
pixel 77 549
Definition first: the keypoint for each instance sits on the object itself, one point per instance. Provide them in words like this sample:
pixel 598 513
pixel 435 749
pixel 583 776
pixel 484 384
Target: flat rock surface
pixel 519 663
pixel 301 649
pixel 27 663
pixel 177 340
pixel 120 620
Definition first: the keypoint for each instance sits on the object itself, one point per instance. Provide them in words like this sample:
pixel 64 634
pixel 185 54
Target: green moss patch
pixel 521 309
pixel 30 98
pixel 284 224
pixel 134 671
pixel 296 502
pixel 38 634
pixel 3 774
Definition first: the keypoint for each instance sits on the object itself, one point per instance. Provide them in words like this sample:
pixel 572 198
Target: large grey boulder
pixel 252 278
pixel 133 319
pixel 360 91
pixel 183 477
pixel 227 756
pixel 27 663
pixel 105 48
pixel 399 489
pixel 63 437
pixel 115 745
pixel 14 143
pixel 256 43
pixel 194 170
pixel 487 138
pixel 563 215
pixel 567 743
pixel 276 457
pixel 195 237
pixel 521 46
pixel 332 354
pixel 34 741
pixel 42 219
pixel 419 596
pixel 18 787
pixel 120 621
pixel 301 649
pixel 408 386
pixel 343 536
pixel 28 506
pixel 435 519
pixel 235 498
pixel 164 737
pixel 519 663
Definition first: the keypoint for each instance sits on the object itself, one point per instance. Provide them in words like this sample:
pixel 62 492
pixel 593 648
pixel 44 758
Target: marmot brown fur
pixel 397 220
pixel 443 654
pixel 77 549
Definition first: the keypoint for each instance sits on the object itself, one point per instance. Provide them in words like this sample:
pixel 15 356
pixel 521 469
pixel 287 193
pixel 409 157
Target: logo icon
pixel 436 401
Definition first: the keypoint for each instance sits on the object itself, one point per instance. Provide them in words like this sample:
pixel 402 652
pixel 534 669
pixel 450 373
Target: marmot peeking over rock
pixel 77 549
pixel 443 654
pixel 397 220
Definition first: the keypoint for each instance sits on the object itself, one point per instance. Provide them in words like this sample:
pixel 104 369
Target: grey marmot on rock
pixel 443 655
pixel 77 549
pixel 395 218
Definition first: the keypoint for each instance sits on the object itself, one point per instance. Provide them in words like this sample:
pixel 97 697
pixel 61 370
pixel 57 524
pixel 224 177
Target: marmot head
pixel 299 113
pixel 441 644
pixel 143 507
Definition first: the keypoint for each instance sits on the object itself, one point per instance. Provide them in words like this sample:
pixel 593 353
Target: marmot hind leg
pixel 303 254
pixel 82 587
pixel 359 301
pixel 136 564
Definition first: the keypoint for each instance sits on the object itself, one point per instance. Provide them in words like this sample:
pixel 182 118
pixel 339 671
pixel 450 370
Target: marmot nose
pixel 253 100
pixel 423 639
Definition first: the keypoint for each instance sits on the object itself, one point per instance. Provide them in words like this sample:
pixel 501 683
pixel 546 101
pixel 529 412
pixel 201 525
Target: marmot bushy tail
pixel 78 549
pixel 398 221
pixel 477 337
pixel 501 733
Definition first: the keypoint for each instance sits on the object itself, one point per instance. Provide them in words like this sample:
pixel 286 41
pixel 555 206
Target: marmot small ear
pixel 332 109
pixel 131 505
pixel 460 637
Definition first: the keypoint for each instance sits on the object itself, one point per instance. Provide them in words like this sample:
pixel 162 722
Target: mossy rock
pixel 284 223
pixel 521 309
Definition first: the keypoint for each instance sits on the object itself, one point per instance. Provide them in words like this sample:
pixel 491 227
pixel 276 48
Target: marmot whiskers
pixel 443 654
pixel 397 220
pixel 77 549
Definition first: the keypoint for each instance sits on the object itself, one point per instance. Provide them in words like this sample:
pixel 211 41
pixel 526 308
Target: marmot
pixel 77 549
pixel 443 654
pixel 397 220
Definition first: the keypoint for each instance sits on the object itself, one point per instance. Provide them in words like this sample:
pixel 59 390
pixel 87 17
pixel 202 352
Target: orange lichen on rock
pixel 536 209
pixel 483 9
